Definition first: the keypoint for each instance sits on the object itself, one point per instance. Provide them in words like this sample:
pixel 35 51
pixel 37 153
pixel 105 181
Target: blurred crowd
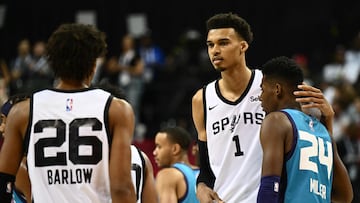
pixel 159 85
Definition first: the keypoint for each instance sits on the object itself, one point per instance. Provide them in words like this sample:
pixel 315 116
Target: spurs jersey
pixel 309 165
pixel 138 168
pixel 68 146
pixel 233 140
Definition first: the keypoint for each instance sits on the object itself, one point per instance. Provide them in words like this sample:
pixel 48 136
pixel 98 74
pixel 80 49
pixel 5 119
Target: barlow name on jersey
pixel 69 176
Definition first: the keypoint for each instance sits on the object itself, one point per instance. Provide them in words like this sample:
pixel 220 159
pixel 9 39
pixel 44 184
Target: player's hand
pixel 207 195
pixel 311 97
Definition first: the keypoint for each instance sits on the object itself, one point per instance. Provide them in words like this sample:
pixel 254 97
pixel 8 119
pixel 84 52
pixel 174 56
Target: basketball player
pixel 142 176
pixel 77 148
pixel 21 192
pixel 227 115
pixel 141 168
pixel 176 181
pixel 310 170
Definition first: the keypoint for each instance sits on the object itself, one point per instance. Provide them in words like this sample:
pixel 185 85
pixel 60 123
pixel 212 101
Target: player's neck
pixel 233 83
pixel 71 85
pixel 183 159
pixel 290 104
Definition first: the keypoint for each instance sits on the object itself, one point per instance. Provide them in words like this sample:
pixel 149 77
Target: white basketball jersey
pixel 233 139
pixel 68 146
pixel 137 171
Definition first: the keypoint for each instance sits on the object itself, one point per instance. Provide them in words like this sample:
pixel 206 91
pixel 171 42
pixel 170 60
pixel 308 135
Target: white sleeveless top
pixel 138 168
pixel 233 139
pixel 68 146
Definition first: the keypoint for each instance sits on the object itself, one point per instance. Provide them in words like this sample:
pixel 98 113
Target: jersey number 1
pixel 237 145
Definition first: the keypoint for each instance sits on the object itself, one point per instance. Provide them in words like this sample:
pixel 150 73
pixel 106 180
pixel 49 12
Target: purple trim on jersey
pixel 295 137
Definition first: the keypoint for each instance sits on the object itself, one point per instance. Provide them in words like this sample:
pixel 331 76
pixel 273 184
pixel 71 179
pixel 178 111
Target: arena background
pixel 312 28
pixel 280 27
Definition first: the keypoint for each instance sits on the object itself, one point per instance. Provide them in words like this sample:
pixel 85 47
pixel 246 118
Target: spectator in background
pixel 131 79
pixel 339 69
pixel 153 56
pixel 344 96
pixel 303 62
pixel 20 67
pixel 41 76
pixel 5 79
pixel 349 151
pixel 352 55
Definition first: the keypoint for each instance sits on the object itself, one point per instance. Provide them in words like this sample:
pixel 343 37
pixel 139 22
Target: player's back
pixel 190 179
pixel 68 146
pixel 309 165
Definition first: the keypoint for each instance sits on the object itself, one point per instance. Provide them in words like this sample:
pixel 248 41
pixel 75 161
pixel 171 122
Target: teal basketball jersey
pixel 309 165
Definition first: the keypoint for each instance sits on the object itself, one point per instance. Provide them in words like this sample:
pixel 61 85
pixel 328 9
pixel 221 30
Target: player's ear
pixel 278 89
pixel 244 46
pixel 176 148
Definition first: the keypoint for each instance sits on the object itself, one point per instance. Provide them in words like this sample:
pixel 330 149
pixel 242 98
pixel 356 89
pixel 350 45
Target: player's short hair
pixel 284 69
pixel 73 48
pixel 178 135
pixel 231 20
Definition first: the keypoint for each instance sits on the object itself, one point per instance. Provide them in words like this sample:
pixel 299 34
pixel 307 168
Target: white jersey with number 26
pixel 68 146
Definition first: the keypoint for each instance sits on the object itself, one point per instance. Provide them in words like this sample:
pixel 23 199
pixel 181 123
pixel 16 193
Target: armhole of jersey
pixel 28 128
pixel 295 136
pixel 204 104
pixel 144 165
pixel 106 120
pixel 186 182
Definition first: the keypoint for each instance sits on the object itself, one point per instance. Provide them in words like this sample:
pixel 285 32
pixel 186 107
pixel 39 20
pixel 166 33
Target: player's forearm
pixel 123 194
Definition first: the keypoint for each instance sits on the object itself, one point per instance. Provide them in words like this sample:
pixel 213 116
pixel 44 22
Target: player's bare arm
pixel 272 138
pixel 121 121
pixel 342 191
pixel 203 192
pixel 198 115
pixel 167 188
pixel 149 192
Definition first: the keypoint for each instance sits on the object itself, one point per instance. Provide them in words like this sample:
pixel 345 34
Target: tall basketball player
pixel 76 139
pixel 227 115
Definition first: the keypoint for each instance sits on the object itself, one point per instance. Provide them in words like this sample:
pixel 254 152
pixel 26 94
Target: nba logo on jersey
pixel 69 104
pixel 311 124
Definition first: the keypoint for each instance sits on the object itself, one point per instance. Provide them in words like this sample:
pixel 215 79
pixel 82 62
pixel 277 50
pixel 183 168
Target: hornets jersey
pixel 309 165
pixel 190 179
pixel 68 146
pixel 232 130
pixel 138 168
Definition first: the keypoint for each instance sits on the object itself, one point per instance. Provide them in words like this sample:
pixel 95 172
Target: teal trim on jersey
pixel 309 169
pixel 190 178
pixel 18 198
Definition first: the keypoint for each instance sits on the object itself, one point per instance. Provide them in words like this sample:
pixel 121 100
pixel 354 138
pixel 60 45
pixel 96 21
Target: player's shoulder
pixel 275 116
pixel 20 108
pixel 198 96
pixel 165 173
pixel 280 118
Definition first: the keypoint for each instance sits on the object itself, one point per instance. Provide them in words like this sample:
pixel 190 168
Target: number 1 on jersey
pixel 237 145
